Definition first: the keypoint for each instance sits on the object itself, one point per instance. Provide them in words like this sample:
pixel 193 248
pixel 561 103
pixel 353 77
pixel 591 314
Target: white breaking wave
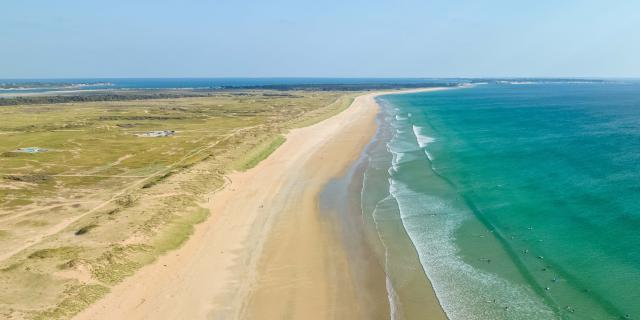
pixel 465 292
pixel 428 155
pixel 423 140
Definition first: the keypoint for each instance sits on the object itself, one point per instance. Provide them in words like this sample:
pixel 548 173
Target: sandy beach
pixel 266 251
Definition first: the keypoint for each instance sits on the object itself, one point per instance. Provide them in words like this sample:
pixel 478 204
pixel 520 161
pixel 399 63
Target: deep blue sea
pixel 521 201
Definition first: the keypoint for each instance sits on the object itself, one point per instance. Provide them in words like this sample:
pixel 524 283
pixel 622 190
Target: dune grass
pixel 260 152
pixel 127 199
pixel 76 298
pixel 315 116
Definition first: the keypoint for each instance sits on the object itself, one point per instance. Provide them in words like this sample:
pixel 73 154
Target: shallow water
pixel 521 201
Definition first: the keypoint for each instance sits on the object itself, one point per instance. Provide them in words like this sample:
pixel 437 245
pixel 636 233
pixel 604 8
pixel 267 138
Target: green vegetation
pixel 76 298
pixel 179 229
pixel 61 252
pixel 103 201
pixel 85 229
pixel 107 96
pixel 260 152
pixel 157 179
pixel 332 109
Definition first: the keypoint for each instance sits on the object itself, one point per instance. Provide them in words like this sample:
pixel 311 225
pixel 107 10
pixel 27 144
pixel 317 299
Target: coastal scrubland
pixel 98 199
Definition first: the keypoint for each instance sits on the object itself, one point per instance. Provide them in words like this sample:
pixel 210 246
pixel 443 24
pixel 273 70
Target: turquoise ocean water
pixel 520 201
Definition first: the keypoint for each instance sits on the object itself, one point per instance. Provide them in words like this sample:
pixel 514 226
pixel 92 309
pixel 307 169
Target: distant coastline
pixel 38 91
pixel 21 92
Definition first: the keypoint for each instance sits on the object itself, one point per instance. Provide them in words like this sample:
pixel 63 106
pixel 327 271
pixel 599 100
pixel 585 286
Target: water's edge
pixel 431 213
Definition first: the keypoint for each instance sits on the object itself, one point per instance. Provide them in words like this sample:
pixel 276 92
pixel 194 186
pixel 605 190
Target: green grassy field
pixel 101 201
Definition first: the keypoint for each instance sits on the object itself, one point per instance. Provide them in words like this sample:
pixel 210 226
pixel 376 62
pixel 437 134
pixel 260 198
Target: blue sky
pixel 328 38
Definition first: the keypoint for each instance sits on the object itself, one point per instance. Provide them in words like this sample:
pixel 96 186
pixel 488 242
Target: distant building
pixel 30 150
pixel 155 134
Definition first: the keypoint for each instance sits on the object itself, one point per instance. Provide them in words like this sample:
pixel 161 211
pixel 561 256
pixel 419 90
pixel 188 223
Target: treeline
pixel 540 80
pixel 91 98
pixel 344 86
pixel 38 85
pixel 32 85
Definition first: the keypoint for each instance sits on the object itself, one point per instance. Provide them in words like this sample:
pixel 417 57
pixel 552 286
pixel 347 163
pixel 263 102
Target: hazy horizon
pixel 293 39
pixel 324 78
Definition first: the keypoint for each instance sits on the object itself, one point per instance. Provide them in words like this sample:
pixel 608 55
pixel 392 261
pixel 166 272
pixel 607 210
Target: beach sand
pixel 266 251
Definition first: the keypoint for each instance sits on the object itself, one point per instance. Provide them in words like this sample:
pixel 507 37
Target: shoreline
pixel 411 290
pixel 265 249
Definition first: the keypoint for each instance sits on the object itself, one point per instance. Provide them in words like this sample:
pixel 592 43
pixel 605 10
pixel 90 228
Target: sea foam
pixel 423 140
pixel 431 220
